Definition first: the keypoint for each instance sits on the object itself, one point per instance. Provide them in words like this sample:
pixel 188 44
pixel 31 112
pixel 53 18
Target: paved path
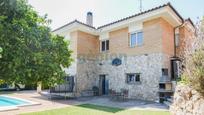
pixel 47 104
pixel 130 104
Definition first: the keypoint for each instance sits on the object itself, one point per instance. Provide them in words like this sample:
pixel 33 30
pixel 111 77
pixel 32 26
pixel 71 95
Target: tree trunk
pixel 39 87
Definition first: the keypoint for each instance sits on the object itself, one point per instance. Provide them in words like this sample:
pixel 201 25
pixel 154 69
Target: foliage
pixel 193 74
pixel 1 81
pixel 1 50
pixel 30 53
pixel 183 79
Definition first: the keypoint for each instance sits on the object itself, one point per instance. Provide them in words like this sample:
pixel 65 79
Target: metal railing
pixel 165 79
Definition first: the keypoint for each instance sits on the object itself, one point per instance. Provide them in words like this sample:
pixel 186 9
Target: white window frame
pixel 105 45
pixel 134 79
pixel 130 41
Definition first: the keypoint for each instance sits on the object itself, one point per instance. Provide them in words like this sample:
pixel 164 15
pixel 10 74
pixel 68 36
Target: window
pixel 136 39
pixel 107 44
pixel 137 78
pixel 139 38
pixel 164 72
pixel 104 45
pixel 133 40
pixel 133 78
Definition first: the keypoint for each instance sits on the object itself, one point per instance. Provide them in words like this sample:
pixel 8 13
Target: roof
pixel 190 22
pixel 72 22
pixel 168 4
pixel 126 18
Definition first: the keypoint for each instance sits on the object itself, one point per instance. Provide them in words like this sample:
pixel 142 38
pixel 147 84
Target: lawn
pixel 89 109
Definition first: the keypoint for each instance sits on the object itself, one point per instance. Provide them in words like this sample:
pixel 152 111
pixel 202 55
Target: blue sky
pixel 105 11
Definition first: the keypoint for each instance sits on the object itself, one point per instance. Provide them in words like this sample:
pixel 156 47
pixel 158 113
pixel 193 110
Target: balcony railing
pixel 165 79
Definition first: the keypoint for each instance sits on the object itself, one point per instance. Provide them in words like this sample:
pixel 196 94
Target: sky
pixel 62 12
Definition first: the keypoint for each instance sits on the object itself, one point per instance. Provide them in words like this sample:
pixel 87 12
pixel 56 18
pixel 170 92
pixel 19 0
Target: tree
pixel 30 52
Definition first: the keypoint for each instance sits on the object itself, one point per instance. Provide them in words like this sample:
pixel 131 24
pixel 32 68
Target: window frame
pixel 105 45
pixel 134 80
pixel 136 39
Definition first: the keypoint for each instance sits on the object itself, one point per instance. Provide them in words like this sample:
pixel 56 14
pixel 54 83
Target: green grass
pixel 89 109
pixel 101 108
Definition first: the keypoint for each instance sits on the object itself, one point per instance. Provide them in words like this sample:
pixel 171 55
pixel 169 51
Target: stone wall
pixel 187 102
pixel 86 76
pixel 148 65
pixel 72 69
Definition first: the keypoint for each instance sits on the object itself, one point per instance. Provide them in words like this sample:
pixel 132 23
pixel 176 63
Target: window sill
pixel 107 51
pixel 135 83
pixel 136 46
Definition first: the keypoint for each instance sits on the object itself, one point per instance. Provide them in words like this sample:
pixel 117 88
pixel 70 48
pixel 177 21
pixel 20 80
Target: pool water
pixel 7 101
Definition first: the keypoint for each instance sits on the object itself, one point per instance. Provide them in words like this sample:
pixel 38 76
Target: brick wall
pixel 119 40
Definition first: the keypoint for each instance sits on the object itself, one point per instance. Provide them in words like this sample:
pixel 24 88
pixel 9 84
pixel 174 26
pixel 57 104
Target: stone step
pixel 167 103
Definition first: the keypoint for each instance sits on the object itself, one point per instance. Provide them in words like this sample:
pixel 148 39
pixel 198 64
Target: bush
pixel 193 73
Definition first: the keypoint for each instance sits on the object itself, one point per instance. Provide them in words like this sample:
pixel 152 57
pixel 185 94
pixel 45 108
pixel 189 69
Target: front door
pixel 102 84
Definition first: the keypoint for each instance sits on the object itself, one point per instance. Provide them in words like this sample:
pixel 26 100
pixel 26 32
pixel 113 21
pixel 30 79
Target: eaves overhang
pixel 166 11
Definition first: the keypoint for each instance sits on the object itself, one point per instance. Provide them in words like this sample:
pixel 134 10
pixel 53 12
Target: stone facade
pixel 150 66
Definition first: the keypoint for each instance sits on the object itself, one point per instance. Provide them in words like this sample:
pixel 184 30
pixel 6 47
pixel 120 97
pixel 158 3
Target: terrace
pixel 94 104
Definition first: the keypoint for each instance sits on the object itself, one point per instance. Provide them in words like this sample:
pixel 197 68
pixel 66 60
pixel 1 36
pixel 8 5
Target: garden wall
pixel 187 101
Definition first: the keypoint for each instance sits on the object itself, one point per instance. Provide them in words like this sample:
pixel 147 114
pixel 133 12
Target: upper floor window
pixel 104 45
pixel 136 39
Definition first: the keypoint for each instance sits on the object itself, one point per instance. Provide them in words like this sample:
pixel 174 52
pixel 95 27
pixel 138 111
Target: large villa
pixel 140 53
pixel 128 66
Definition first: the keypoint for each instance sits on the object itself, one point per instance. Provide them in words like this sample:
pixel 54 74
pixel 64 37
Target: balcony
pixel 165 79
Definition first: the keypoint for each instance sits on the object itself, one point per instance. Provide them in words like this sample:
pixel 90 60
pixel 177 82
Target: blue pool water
pixel 6 101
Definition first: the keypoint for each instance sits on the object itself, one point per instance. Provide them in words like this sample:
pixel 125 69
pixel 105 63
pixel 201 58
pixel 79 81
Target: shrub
pixel 193 73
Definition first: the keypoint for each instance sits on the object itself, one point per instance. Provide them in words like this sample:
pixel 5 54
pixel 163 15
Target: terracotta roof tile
pixel 75 21
pixel 189 19
pixel 126 18
pixel 168 4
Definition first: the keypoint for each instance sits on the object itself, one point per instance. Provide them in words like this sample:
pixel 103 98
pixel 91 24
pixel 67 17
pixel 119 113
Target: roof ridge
pixel 189 19
pixel 77 21
pixel 85 24
pixel 64 25
pixel 137 14
pixel 120 20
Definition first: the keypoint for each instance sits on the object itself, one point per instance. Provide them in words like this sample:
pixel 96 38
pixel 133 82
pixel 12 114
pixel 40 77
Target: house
pixel 140 53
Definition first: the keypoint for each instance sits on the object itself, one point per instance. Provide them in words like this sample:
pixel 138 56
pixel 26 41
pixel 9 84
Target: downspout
pixel 175 37
pixel 175 56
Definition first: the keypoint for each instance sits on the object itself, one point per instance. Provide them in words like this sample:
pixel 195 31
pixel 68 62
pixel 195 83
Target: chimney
pixel 89 19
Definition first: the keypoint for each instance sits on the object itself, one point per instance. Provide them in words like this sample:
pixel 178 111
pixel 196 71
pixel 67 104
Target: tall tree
pixel 30 53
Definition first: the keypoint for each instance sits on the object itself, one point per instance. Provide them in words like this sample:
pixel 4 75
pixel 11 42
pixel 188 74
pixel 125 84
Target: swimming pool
pixel 9 103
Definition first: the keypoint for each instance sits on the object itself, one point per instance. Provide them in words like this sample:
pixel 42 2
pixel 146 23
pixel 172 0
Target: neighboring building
pixel 139 53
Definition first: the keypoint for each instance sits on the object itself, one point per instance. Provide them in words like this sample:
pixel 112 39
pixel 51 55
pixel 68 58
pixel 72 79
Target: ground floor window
pixel 165 72
pixel 132 78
